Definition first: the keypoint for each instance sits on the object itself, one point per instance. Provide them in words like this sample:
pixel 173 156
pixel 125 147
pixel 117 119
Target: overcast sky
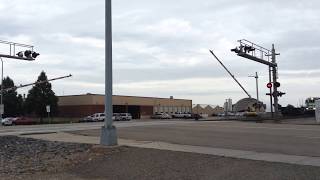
pixel 161 47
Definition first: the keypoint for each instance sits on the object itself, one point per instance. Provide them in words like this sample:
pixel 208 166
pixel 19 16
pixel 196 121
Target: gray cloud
pixel 165 41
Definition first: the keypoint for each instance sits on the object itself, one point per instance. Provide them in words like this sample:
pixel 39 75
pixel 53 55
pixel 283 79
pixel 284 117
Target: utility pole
pixel 257 89
pixel 257 86
pixel 275 77
pixel 108 131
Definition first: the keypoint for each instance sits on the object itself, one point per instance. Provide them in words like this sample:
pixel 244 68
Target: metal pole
pixel 274 75
pixel 1 101
pixel 108 131
pixel 108 64
pixel 271 101
pixel 257 77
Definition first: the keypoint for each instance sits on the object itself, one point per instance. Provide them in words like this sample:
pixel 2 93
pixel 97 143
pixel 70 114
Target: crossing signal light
pixel 269 85
pixel 20 54
pixel 277 84
pixel 28 54
pixel 35 55
pixel 236 50
pixel 249 49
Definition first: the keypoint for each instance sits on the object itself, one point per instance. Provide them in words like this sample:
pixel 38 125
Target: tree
pixel 12 102
pixel 41 95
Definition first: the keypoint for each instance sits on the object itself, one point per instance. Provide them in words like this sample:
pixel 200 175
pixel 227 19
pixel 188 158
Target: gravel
pixel 25 158
pixel 20 157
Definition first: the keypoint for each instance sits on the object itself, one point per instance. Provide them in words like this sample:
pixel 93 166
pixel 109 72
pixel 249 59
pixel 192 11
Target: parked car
pixel 7 121
pixel 181 115
pixel 98 117
pixel 161 116
pixel 122 116
pixel 87 119
pixel 23 121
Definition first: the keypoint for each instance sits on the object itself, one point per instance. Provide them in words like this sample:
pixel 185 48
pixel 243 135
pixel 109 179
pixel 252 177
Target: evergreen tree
pixel 10 100
pixel 41 95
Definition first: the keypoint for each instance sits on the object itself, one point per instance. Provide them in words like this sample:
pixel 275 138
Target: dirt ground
pixel 68 161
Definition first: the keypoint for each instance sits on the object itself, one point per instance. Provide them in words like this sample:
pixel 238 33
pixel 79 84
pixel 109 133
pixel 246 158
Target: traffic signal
pixel 236 50
pixel 28 54
pixel 277 84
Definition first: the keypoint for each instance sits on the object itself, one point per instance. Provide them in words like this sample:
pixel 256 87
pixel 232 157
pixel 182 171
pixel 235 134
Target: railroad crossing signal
pixel 269 85
pixel 276 94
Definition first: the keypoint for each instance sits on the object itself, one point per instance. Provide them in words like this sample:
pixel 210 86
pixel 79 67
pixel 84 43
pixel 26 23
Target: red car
pixel 23 121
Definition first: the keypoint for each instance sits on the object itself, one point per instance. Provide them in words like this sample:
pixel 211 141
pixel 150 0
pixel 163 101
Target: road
pixel 18 130
pixel 287 139
pixel 303 140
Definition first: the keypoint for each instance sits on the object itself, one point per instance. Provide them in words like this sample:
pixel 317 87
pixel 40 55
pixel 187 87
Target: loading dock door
pixel 135 111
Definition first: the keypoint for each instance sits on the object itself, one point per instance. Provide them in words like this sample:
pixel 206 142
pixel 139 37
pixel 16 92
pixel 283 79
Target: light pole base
pixel 108 136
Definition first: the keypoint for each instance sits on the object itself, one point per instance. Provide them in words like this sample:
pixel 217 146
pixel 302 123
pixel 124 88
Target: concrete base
pixel 109 136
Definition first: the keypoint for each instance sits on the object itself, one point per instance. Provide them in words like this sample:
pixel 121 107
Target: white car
pixel 7 121
pixel 122 116
pixel 181 115
pixel 98 117
pixel 161 116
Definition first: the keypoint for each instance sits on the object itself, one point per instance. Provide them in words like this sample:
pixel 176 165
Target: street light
pixel 108 131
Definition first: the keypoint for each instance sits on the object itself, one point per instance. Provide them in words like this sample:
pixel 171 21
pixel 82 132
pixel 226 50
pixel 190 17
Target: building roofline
pixel 90 94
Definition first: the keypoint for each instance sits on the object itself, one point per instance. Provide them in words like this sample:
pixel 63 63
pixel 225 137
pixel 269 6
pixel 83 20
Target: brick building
pixel 139 107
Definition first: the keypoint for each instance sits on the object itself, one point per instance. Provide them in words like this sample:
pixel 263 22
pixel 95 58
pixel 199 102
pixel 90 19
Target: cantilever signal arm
pixel 37 82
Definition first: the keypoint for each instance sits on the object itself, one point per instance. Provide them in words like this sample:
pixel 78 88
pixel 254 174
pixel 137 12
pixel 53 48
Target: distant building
pixel 210 110
pixel 139 107
pixel 249 104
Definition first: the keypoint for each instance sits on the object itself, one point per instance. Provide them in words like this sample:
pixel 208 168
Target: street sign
pixel 317 103
pixel 269 85
pixel 1 109
pixel 48 108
